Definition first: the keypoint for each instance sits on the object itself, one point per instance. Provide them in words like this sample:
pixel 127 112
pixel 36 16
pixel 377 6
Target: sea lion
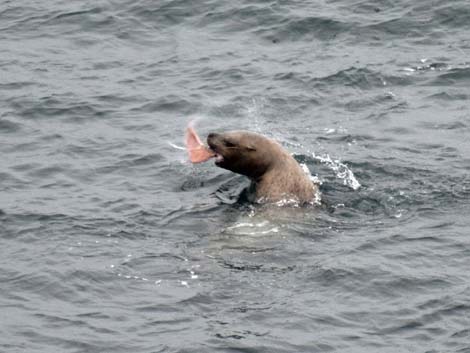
pixel 275 174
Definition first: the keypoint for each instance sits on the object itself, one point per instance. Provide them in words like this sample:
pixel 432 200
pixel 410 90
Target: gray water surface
pixel 110 241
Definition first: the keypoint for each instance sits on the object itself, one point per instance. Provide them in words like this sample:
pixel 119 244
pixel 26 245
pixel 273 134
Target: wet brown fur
pixel 276 174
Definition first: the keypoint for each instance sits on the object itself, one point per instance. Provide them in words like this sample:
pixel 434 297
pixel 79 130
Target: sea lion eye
pixel 228 143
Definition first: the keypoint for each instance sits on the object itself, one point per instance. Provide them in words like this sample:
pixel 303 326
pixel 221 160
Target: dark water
pixel 112 242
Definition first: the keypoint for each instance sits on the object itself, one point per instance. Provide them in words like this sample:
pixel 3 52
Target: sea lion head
pixel 243 152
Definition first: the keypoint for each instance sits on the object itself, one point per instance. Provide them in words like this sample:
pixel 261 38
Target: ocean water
pixel 110 241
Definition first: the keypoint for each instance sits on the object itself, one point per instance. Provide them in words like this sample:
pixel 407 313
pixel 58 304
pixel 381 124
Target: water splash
pixel 176 146
pixel 254 111
pixel 341 170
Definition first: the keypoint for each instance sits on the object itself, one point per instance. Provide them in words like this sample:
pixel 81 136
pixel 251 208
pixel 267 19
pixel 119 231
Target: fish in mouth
pixel 197 151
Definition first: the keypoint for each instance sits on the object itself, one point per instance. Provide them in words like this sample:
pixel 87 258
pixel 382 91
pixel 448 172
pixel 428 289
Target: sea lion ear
pixel 250 147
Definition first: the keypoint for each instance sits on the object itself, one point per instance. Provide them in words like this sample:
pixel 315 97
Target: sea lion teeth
pixel 219 158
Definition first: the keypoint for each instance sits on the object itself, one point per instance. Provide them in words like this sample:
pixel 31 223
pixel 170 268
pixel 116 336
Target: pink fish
pixel 197 151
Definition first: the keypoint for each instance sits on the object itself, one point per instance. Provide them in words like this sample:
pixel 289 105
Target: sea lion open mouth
pixel 214 146
pixel 219 159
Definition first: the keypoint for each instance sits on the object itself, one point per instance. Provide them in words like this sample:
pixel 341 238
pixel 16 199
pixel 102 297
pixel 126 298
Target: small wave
pixel 359 77
pixel 452 15
pixel 305 28
pixel 168 104
pixel 449 96
pixel 9 126
pixel 239 18
pixel 454 77
pixel 424 66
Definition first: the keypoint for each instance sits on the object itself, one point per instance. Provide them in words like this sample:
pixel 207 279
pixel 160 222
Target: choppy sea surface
pixel 110 241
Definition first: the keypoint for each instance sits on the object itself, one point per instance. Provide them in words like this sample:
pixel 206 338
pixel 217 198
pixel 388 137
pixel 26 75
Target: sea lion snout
pixel 211 136
pixel 212 140
pixel 215 142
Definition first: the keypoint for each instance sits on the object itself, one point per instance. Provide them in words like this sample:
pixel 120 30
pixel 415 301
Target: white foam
pixel 341 170
pixel 253 228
